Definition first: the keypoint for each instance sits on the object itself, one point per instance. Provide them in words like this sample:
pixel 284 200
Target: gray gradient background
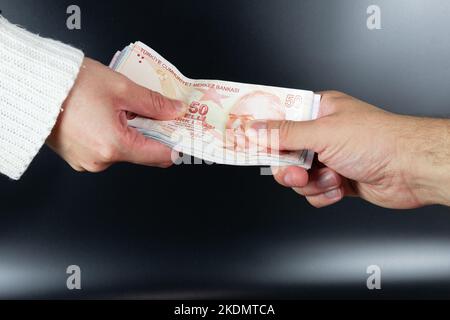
pixel 216 231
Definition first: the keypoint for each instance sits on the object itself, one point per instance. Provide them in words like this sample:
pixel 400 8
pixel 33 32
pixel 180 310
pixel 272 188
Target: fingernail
pixel 333 194
pixel 258 125
pixel 326 180
pixel 289 179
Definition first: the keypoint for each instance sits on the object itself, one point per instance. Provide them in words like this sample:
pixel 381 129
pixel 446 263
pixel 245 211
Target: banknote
pixel 215 126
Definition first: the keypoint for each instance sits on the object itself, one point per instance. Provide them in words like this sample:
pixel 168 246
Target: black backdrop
pixel 216 231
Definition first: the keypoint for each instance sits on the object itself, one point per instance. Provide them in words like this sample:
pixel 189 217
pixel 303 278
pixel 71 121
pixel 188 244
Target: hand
pixel 390 160
pixel 92 131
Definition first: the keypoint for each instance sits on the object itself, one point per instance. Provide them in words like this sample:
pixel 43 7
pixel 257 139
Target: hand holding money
pixel 92 131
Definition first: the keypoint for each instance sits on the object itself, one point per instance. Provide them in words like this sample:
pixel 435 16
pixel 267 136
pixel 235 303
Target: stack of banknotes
pixel 215 127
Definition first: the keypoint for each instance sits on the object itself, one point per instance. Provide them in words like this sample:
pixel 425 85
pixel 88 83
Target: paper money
pixel 214 127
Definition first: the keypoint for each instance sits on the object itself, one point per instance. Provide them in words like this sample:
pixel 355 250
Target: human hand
pixel 390 160
pixel 92 131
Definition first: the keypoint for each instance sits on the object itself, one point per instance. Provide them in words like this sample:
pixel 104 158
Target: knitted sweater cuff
pixel 36 75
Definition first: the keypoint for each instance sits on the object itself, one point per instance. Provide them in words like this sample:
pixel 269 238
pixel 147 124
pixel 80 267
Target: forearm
pixel 36 75
pixel 427 149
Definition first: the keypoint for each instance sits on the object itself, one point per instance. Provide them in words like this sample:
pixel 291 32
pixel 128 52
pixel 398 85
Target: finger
pixel 290 176
pixel 145 151
pixel 150 104
pixel 320 182
pixel 288 135
pixel 327 198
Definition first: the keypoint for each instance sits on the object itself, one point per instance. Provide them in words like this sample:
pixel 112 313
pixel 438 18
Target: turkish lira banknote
pixel 214 128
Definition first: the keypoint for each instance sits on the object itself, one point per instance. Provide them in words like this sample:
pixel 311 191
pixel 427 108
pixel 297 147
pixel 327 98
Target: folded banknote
pixel 214 128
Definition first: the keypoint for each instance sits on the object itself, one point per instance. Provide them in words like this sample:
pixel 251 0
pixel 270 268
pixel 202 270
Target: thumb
pixel 151 104
pixel 287 135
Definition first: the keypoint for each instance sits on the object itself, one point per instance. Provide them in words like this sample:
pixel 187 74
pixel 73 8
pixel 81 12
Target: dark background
pixel 227 232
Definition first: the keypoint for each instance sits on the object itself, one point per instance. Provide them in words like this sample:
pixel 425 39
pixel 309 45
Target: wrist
pixel 426 165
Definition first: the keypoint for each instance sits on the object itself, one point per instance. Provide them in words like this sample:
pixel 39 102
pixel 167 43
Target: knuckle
pixel 334 100
pixel 333 94
pixel 122 87
pixel 107 153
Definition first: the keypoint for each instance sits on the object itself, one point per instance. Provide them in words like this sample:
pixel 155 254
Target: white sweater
pixel 36 75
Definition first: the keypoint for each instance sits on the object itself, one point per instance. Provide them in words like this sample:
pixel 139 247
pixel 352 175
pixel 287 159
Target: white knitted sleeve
pixel 36 75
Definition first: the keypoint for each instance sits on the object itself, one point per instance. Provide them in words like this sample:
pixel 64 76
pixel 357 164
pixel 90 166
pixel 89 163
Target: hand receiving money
pixel 390 160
